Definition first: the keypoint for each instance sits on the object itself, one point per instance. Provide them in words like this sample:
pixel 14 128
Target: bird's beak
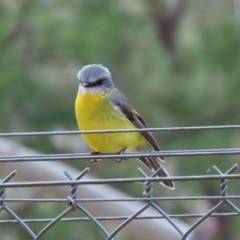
pixel 85 85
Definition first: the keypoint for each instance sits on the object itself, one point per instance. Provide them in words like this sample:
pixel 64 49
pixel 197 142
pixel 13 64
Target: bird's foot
pixel 121 152
pixel 94 160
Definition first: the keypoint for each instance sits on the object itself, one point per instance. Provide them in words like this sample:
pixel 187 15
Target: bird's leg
pixel 121 152
pixel 94 160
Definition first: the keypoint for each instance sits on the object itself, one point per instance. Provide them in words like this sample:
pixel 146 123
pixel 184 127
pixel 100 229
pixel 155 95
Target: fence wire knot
pixel 2 196
pixel 74 188
pixel 224 187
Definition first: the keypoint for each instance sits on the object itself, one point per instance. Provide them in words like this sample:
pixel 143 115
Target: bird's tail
pixel 153 163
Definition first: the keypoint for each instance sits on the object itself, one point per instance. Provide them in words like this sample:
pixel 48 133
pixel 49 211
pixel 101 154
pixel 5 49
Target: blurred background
pixel 177 62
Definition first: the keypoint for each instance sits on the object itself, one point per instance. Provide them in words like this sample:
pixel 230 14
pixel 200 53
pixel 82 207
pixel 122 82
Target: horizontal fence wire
pixel 148 200
pixel 176 153
pixel 19 134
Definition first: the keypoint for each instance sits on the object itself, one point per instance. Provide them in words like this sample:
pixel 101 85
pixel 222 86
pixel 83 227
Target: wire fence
pixel 149 201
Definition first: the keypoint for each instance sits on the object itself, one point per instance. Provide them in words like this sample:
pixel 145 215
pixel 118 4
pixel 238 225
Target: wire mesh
pixel 75 204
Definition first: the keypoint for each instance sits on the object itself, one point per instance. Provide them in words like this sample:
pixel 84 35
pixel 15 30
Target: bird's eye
pixel 100 81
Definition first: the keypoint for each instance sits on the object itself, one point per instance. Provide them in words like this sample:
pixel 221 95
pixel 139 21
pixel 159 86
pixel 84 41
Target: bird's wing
pixel 118 99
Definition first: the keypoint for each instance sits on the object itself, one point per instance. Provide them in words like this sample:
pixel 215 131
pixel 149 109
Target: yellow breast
pixel 94 112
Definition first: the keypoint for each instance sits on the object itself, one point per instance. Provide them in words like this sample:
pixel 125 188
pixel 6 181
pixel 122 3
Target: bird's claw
pixel 118 160
pixel 94 160
pixel 120 152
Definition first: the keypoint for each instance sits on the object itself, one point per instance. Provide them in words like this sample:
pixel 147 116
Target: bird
pixel 99 105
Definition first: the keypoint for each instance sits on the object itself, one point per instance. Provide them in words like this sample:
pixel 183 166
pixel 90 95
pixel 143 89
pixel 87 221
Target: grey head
pixel 95 76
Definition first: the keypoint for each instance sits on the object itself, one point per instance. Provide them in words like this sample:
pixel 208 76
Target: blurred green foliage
pixel 44 43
